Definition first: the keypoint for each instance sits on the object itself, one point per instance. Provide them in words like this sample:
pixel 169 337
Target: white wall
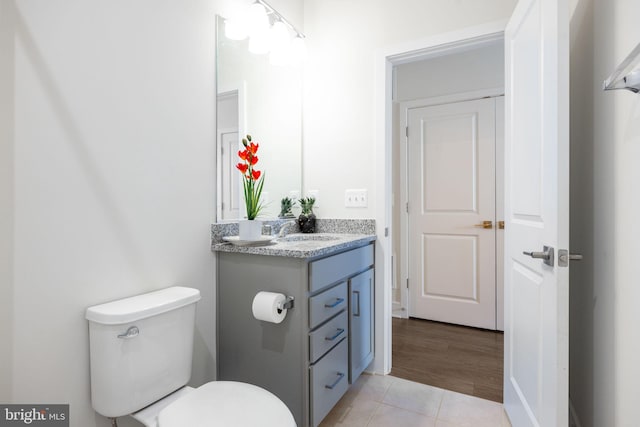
pixel 6 199
pixel 107 132
pixel 605 201
pixel 617 233
pixel 343 38
pixel 472 70
pixel 109 182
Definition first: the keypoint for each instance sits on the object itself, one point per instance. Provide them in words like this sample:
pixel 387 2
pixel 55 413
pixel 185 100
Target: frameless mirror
pixel 264 101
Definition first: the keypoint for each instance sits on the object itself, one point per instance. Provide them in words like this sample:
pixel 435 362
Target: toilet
pixel 141 350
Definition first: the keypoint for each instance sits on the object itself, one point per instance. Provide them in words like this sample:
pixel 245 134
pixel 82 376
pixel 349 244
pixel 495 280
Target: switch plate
pixel 355 198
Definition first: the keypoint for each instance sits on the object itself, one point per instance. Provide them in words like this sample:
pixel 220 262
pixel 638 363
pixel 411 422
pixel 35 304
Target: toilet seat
pixel 227 403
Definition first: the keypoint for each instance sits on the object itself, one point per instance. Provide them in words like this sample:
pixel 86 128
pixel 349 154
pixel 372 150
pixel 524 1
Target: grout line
pixel 440 406
pixel 373 413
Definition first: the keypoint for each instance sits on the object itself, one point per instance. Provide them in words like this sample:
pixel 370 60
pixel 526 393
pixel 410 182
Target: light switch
pixel 355 198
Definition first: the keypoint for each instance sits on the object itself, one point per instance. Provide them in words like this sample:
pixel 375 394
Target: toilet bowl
pixel 141 350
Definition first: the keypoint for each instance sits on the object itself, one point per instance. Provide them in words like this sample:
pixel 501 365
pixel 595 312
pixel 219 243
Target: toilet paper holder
pixel 287 305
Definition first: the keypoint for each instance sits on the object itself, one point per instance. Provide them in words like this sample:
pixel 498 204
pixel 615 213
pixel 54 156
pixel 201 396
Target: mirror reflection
pixel 265 101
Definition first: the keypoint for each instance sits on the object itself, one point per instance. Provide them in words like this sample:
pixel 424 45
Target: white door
pixel 536 213
pixel 451 193
pixel 229 177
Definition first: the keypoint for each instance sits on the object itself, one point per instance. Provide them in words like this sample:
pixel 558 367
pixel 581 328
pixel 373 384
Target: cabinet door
pixel 360 323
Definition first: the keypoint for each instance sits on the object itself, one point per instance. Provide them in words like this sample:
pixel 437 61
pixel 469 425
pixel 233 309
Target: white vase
pixel 250 229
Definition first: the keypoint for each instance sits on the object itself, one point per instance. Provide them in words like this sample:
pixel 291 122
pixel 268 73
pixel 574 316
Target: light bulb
pixel 235 29
pixel 260 42
pixel 280 44
pixel 257 19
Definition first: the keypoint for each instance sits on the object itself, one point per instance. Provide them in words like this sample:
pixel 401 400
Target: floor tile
pixel 387 416
pixel 370 387
pixel 350 413
pixel 463 411
pixel 414 397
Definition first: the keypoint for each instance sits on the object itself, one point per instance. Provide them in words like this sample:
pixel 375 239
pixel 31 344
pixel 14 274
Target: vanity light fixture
pixel 268 32
pixel 627 74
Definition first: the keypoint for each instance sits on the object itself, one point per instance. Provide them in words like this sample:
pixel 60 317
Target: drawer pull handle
pixel 335 383
pixel 338 302
pixel 357 314
pixel 336 335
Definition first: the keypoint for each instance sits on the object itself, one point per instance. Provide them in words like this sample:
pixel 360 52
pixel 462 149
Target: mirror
pixel 264 101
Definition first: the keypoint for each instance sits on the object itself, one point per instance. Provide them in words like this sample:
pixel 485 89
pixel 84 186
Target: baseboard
pixel 574 420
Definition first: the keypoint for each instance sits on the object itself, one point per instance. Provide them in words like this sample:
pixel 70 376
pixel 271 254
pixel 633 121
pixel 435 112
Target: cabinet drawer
pixel 328 382
pixel 328 335
pixel 327 304
pixel 326 271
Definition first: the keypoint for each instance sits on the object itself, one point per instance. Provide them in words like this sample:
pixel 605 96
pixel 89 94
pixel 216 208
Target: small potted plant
pixel 250 229
pixel 307 219
pixel 285 207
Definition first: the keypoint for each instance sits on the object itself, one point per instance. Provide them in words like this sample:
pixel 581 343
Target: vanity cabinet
pixel 324 343
pixel 361 339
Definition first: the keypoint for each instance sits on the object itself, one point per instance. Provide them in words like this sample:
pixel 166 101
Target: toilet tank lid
pixel 142 306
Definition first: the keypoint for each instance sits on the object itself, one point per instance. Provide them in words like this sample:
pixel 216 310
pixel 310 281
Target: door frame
pixel 385 60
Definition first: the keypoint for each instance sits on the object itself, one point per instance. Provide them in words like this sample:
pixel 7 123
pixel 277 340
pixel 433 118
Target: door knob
pixel 485 224
pixel 501 225
pixel 564 257
pixel 546 255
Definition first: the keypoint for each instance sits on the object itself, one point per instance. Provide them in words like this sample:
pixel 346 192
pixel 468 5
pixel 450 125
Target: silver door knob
pixel 564 257
pixel 546 255
pixel 540 255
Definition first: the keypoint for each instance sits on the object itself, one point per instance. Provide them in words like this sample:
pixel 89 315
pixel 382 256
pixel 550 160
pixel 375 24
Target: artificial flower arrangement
pixel 252 179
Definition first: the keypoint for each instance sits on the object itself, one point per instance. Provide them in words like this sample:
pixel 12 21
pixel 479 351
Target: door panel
pixel 449 155
pixel 536 213
pixel 451 189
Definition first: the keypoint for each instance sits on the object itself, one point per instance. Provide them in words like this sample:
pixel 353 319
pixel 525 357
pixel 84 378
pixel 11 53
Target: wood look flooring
pixel 452 357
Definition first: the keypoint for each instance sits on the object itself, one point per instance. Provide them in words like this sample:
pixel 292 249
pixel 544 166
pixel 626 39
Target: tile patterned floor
pixel 386 401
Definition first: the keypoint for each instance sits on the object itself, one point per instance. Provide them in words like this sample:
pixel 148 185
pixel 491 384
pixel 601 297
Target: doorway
pixel 448 122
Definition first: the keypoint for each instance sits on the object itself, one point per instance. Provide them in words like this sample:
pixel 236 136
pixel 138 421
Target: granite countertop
pixel 328 243
pixel 333 236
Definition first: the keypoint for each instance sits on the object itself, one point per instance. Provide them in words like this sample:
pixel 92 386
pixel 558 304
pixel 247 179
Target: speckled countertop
pixel 334 235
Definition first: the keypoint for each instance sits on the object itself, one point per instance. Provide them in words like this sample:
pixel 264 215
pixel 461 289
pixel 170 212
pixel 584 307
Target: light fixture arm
pixel 280 17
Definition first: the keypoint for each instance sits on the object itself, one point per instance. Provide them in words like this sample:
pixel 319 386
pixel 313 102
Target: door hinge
pixel 407 283
pixel 406 131
pixel 407 207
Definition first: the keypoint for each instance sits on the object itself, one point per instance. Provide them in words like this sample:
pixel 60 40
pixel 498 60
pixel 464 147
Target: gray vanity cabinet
pixel 309 359
pixel 360 323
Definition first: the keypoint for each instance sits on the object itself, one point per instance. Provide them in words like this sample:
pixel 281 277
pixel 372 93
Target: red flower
pixel 253 160
pixel 242 167
pixel 256 174
pixel 243 154
pixel 253 148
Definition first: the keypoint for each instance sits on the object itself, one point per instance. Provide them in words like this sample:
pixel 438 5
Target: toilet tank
pixel 140 349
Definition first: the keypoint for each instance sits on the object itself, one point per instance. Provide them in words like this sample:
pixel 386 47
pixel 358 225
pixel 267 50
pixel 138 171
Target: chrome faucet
pixel 284 228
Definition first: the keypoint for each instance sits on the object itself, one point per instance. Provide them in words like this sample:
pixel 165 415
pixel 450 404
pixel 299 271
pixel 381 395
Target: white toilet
pixel 141 349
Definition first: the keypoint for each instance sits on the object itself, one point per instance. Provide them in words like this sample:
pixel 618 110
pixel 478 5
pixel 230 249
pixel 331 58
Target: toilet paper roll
pixel 265 307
